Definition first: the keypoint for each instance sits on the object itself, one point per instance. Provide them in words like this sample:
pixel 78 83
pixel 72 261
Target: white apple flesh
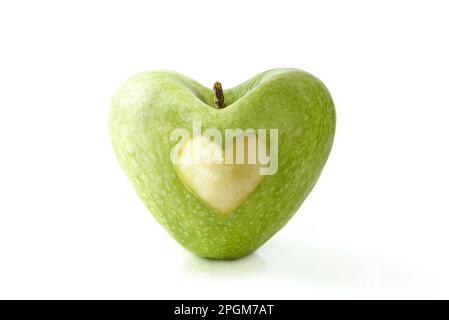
pixel 222 186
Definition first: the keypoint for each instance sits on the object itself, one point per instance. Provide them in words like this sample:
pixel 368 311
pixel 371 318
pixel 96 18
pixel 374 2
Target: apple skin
pixel 146 109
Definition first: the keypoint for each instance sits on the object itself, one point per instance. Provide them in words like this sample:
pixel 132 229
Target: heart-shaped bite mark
pixel 201 166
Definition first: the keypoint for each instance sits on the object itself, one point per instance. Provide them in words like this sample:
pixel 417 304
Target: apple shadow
pixel 302 264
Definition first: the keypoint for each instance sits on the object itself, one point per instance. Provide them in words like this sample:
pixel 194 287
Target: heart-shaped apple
pixel 216 197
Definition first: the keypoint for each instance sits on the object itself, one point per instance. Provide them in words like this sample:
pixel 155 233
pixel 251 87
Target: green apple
pixel 215 208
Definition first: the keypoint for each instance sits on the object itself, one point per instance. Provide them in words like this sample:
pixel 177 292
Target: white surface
pixel 375 226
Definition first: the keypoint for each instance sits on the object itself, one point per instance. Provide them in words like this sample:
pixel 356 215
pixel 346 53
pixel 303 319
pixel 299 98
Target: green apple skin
pixel 146 109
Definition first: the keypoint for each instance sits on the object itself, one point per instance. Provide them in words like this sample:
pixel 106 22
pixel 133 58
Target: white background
pixel 376 224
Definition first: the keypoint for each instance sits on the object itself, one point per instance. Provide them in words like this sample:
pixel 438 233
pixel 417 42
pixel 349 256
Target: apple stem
pixel 219 97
